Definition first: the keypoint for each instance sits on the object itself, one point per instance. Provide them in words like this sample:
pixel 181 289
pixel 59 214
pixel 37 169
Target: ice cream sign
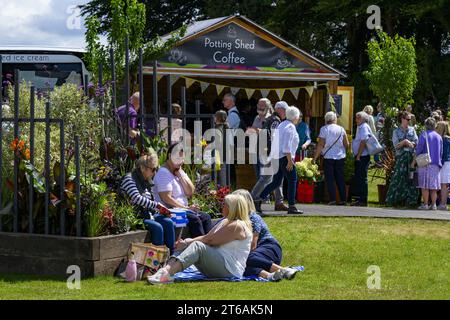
pixel 232 47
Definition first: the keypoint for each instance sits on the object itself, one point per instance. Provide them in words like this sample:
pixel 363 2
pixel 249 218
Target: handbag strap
pixel 334 143
pixel 426 141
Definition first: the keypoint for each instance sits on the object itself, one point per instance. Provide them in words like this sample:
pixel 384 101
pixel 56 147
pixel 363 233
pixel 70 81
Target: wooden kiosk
pixel 234 54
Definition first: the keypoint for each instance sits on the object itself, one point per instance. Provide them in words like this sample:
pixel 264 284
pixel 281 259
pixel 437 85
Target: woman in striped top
pixel 136 185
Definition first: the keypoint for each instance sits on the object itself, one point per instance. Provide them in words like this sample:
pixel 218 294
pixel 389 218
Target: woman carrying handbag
pixel 429 155
pixel 333 143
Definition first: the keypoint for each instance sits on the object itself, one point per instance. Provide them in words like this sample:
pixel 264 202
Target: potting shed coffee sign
pixel 232 47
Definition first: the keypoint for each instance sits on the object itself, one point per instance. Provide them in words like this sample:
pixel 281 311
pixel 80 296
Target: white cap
pixel 281 105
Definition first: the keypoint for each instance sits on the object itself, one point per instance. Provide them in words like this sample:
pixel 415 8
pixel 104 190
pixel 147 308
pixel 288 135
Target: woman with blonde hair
pixel 265 252
pixel 443 128
pixel 222 253
pixel 371 121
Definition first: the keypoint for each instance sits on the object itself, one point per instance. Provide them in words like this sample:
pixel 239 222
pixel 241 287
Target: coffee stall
pixel 234 54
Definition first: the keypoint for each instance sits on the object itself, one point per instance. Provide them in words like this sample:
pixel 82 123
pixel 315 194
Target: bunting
pixel 204 86
pixel 234 90
pixel 295 92
pixel 310 91
pixel 219 89
pixel 189 82
pixel 264 92
pixel 280 93
pixel 249 92
pixel 173 79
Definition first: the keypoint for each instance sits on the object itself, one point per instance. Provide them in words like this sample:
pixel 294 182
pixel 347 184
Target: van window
pixel 45 75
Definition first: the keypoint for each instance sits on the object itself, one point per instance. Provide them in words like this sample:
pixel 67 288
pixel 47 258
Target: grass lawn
pixel 413 256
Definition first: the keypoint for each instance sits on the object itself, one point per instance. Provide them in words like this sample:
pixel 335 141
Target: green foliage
pixel 336 252
pixel 118 19
pixel 96 201
pixel 349 166
pixel 392 75
pixel 125 217
pixel 392 71
pixel 67 103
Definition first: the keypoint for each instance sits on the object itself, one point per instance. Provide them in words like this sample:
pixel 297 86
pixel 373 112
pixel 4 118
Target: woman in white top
pixel 222 253
pixel 173 188
pixel 332 145
pixel 284 146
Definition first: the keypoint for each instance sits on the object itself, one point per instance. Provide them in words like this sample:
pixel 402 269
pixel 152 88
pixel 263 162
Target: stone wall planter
pixel 51 255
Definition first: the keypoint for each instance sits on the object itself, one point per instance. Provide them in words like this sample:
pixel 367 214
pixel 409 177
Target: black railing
pixel 49 121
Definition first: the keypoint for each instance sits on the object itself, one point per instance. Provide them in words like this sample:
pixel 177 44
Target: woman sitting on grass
pixel 222 253
pixel 265 252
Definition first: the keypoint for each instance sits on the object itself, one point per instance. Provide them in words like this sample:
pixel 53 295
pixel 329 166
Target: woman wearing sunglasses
pixel 137 185
pixel 402 192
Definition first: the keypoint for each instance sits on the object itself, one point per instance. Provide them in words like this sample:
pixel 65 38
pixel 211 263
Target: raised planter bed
pixel 51 255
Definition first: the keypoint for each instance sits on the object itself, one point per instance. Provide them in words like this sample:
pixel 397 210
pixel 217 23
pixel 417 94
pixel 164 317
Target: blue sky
pixel 41 22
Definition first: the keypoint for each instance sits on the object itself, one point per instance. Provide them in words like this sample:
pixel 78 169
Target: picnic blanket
pixel 192 274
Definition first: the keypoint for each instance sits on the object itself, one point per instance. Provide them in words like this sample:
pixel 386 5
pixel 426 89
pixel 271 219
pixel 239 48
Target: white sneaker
pixel 423 207
pixel 160 277
pixel 276 276
pixel 433 207
pixel 442 207
pixel 289 273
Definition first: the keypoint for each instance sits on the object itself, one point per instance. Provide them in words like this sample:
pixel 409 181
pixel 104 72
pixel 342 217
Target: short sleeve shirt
pixel 259 226
pixel 165 181
pixel 362 134
pixel 333 135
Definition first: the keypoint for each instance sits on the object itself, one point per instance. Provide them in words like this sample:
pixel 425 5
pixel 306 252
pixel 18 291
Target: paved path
pixel 347 211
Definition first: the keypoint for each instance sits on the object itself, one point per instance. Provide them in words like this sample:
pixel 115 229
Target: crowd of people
pixel 285 129
pixel 240 244
pixel 292 136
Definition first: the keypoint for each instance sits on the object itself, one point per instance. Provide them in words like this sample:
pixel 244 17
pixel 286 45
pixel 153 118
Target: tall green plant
pixel 392 76
pixel 125 18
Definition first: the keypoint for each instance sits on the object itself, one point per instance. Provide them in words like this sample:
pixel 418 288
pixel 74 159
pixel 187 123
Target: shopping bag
pixel 152 256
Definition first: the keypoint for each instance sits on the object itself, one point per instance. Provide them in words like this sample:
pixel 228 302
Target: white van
pixel 44 67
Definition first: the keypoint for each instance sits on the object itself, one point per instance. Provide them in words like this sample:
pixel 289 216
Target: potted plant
pixel 349 170
pixel 308 175
pixel 384 171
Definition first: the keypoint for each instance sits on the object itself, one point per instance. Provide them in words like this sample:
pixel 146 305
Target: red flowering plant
pixel 209 197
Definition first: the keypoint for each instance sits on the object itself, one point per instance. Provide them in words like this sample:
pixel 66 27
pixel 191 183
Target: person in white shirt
pixel 173 188
pixel 284 147
pixel 332 145
pixel 265 110
pixel 222 253
pixel 362 158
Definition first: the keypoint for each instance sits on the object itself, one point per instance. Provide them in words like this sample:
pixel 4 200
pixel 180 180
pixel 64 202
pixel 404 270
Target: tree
pixel 124 18
pixel 392 75
pixel 161 17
